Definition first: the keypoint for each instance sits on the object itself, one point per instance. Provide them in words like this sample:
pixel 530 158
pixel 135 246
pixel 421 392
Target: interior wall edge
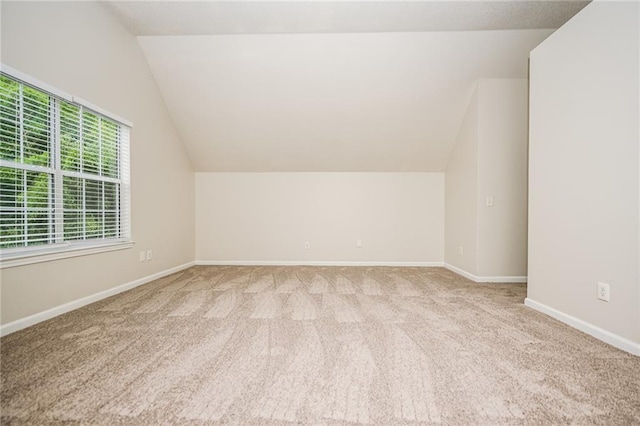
pixel 30 320
pixel 485 278
pixel 314 263
pixel 588 328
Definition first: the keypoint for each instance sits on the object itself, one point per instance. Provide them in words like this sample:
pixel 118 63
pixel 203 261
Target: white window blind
pixel 64 172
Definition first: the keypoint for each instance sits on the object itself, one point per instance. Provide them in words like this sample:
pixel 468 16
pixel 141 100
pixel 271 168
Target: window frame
pixel 18 256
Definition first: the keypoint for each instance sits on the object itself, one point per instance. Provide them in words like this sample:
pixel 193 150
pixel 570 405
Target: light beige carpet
pixel 314 345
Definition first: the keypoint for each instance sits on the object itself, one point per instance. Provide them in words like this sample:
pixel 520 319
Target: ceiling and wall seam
pixel 329 86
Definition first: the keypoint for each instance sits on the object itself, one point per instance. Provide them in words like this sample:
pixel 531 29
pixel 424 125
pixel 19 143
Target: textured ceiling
pixel 270 17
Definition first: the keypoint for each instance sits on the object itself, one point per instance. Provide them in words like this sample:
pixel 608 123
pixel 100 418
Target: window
pixel 64 172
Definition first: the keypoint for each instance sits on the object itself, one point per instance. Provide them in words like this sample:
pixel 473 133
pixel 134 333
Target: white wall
pixel 461 194
pixel 79 47
pixel 502 174
pixel 267 217
pixel 489 160
pixel 584 171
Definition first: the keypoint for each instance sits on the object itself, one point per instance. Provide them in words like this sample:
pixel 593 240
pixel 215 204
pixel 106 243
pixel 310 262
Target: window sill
pixel 48 254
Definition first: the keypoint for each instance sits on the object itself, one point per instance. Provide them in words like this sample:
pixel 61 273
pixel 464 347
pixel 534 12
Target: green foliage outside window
pixel 88 144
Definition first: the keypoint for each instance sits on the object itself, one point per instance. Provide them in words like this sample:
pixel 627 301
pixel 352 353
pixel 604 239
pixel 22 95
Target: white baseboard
pixel 310 263
pixel 486 279
pixel 597 332
pixel 70 306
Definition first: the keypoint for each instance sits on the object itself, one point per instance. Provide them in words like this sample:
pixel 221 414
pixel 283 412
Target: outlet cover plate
pixel 603 291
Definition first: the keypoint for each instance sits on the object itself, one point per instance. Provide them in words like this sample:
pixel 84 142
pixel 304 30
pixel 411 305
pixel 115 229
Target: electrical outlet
pixel 148 254
pixel 359 243
pixel 603 291
pixel 142 256
pixel 489 201
pixel 307 246
pixel 461 250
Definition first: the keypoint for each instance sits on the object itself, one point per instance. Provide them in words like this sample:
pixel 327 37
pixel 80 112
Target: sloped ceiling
pixel 188 17
pixel 259 91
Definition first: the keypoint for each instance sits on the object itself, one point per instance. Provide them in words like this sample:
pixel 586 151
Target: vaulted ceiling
pixel 330 86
